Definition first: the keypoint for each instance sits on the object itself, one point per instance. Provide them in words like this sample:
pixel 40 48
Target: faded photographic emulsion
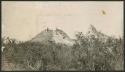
pixel 62 36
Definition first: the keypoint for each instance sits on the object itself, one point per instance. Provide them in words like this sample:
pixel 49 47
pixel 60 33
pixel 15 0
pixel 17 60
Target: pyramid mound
pixel 45 35
pixel 57 36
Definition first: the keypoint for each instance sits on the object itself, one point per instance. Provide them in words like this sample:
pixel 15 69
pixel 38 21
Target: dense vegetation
pixel 86 54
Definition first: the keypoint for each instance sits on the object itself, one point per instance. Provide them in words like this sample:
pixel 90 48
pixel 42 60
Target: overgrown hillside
pixel 87 53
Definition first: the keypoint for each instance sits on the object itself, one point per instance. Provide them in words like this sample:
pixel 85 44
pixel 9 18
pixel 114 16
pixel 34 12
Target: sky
pixel 24 20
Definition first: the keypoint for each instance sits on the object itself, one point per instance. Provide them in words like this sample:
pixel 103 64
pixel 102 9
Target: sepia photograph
pixel 62 36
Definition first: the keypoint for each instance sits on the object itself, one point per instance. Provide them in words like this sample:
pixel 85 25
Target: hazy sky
pixel 24 20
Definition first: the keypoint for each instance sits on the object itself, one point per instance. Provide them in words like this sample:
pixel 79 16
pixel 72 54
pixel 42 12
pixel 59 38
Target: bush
pixel 85 54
